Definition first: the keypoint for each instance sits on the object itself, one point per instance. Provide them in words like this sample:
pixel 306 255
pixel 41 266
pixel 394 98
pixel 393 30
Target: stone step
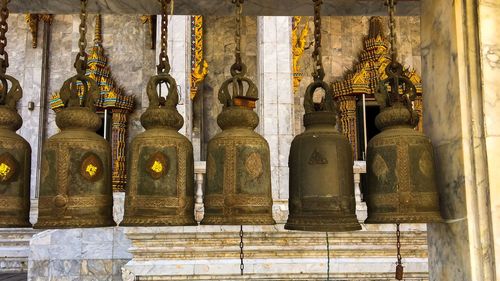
pixel 14 249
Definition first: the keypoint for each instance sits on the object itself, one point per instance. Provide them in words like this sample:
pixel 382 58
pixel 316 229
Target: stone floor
pixel 13 276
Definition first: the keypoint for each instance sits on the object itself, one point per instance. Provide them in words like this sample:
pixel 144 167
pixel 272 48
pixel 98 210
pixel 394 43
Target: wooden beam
pixel 217 7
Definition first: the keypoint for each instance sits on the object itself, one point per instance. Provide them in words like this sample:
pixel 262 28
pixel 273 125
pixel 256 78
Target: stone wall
pixel 342 40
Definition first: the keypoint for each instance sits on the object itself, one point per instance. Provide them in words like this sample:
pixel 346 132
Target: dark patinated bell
pixel 321 175
pixel 160 186
pixel 238 187
pixel 15 159
pixel 75 188
pixel 400 165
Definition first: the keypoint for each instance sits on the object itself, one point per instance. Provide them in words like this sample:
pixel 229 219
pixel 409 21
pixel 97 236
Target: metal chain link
pixel 399 266
pixel 328 255
pixel 4 27
pixel 391 7
pixel 242 255
pixel 164 64
pixel 81 57
pixel 319 72
pixel 237 35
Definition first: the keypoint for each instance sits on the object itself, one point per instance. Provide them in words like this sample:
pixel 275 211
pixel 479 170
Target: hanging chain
pixel 242 255
pixel 391 7
pixel 164 65
pixel 4 27
pixel 328 256
pixel 399 266
pixel 81 57
pixel 319 72
pixel 237 35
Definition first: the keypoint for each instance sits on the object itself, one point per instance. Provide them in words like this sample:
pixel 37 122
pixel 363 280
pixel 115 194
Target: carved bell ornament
pixel 400 165
pixel 160 185
pixel 321 175
pixel 75 188
pixel 238 187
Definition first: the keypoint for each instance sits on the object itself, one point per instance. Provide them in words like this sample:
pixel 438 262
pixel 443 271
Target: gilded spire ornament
pixel 75 188
pixel 160 185
pixel 15 151
pixel 199 66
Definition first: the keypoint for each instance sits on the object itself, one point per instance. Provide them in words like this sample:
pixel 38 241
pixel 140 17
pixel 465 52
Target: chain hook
pixel 81 58
pixel 238 68
pixel 164 64
pixel 319 71
pixel 391 8
pixel 4 27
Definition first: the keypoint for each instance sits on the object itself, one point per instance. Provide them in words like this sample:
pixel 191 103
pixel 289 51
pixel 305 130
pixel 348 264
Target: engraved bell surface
pixel 15 160
pixel 160 185
pixel 400 160
pixel 238 187
pixel 75 188
pixel 321 171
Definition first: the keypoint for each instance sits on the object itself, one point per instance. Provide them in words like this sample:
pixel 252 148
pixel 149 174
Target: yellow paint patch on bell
pixel 91 170
pixel 4 171
pixel 157 166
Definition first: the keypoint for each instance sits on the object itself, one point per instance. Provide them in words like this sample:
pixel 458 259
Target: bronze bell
pixel 15 159
pixel 321 175
pixel 400 165
pixel 75 188
pixel 238 189
pixel 160 185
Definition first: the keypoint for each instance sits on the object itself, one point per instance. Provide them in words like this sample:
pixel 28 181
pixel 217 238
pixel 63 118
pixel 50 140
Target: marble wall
pixel 459 107
pixel 342 40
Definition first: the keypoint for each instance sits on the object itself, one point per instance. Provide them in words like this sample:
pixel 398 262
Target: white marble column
pixel 459 105
pixel 275 106
pixel 179 54
pixel 489 22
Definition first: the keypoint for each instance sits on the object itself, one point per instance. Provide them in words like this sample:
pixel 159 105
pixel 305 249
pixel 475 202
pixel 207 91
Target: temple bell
pixel 75 188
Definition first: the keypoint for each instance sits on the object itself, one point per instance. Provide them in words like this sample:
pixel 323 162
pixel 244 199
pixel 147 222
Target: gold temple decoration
pixel 199 66
pixel 363 79
pixel 299 45
pixel 111 98
pixel 151 21
pixel 32 21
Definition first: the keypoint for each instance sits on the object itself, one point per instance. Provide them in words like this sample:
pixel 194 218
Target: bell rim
pixel 408 218
pixel 220 220
pixel 324 228
pixel 140 222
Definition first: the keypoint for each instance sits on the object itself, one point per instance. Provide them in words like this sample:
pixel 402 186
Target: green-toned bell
pixel 238 189
pixel 400 165
pixel 160 185
pixel 321 175
pixel 15 159
pixel 75 188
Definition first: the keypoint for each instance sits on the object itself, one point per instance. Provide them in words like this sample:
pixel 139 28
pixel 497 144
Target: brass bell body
pixel 160 185
pixel 321 172
pixel 400 171
pixel 75 188
pixel 238 189
pixel 15 166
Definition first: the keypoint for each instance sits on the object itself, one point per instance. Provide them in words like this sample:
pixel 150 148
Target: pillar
pixel 459 89
pixel 347 121
pixel 275 107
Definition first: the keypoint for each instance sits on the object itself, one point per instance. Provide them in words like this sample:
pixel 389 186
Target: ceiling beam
pixel 217 7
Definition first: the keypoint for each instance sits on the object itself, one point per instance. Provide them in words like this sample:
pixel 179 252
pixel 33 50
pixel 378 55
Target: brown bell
pixel 160 185
pixel 400 165
pixel 238 187
pixel 75 188
pixel 15 159
pixel 321 175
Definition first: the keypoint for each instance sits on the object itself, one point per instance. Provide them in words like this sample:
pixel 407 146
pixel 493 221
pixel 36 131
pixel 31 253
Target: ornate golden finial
pixel 376 27
pixel 199 66
pixel 32 21
pixel 298 47
pixel 98 30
